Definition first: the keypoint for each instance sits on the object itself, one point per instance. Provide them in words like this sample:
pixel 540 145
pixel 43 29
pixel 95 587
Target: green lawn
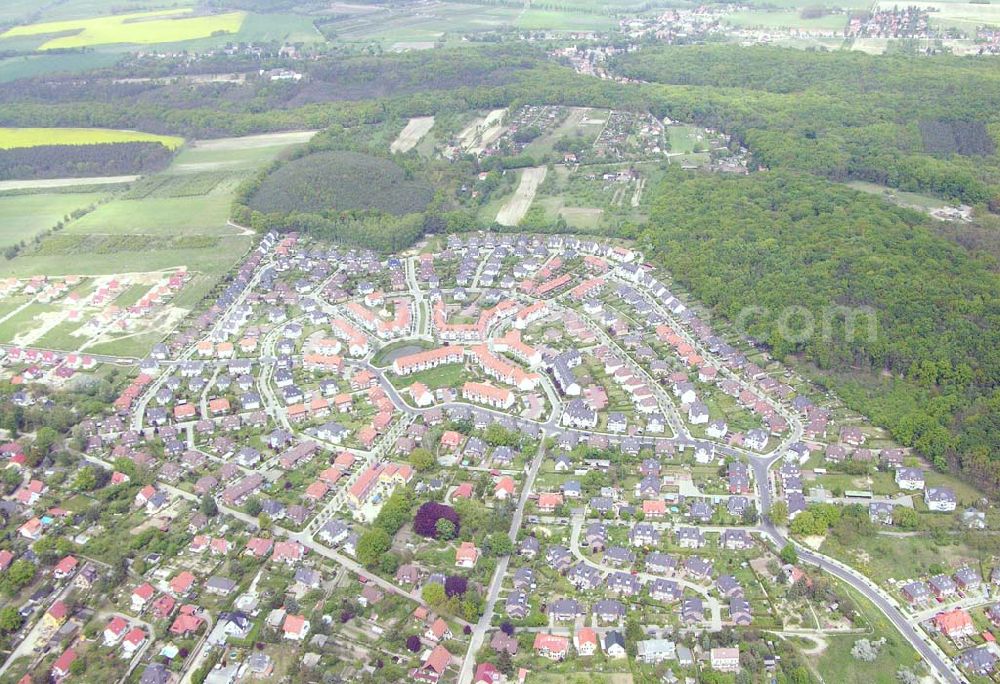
pixel 882 557
pixel 683 138
pixel 30 66
pixel 215 260
pixel 785 19
pixel 24 216
pixel 61 337
pixel 837 665
pixel 234 154
pixel 23 321
pixel 159 216
pixel 448 375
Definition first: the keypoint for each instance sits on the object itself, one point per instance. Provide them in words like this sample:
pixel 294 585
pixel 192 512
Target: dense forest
pixel 333 182
pixel 753 248
pixel 78 161
pixel 918 124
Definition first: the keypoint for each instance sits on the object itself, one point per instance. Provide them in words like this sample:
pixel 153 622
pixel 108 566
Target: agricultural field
pixel 140 28
pixel 24 216
pixel 416 128
pixel 965 16
pixel 55 183
pixel 173 221
pixel 27 11
pixel 517 206
pixel 482 131
pixel 29 66
pixel 787 19
pixel 11 138
pixel 235 154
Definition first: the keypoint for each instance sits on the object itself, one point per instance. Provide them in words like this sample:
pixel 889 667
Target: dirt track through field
pixel 513 211
pixel 415 130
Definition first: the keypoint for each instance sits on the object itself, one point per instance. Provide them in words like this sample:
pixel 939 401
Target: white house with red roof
pixel 115 630
pixel 296 627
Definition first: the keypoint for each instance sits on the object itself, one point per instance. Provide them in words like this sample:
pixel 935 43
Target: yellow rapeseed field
pixel 33 137
pixel 140 28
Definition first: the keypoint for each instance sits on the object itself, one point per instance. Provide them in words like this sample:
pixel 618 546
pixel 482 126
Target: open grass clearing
pixel 482 131
pixel 235 154
pixel 771 19
pixel 43 183
pixel 517 206
pixel 962 15
pixel 25 11
pixel 416 128
pixel 447 375
pixel 911 200
pixel 836 664
pixel 11 138
pixel 137 28
pixel 41 64
pixel 199 215
pixel 22 217
pixel 215 260
pixel 553 20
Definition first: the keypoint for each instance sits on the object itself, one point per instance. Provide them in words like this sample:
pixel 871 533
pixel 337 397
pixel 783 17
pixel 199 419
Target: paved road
pixel 939 664
pixel 715 623
pixel 481 627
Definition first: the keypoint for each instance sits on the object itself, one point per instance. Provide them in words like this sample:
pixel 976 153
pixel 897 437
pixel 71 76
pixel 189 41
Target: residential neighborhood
pixel 492 458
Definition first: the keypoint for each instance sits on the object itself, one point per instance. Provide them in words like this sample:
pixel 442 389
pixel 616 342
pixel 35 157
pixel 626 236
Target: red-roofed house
pixel 654 508
pixel 182 583
pixel 185 624
pixel 451 439
pixel 115 630
pixel 438 631
pixel 955 623
pixel 133 641
pixel 259 547
pixel 288 552
pixel 466 555
pixel 504 487
pixel 462 491
pixel 65 567
pixel 487 673
pixel 60 668
pixel 585 641
pixel 141 595
pixel 551 646
pixel 30 493
pixel 296 627
pixel 549 501
pixel 163 606
pixel 434 667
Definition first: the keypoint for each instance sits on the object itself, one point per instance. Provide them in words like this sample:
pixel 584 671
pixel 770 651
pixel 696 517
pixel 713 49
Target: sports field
pixel 139 28
pixel 33 137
